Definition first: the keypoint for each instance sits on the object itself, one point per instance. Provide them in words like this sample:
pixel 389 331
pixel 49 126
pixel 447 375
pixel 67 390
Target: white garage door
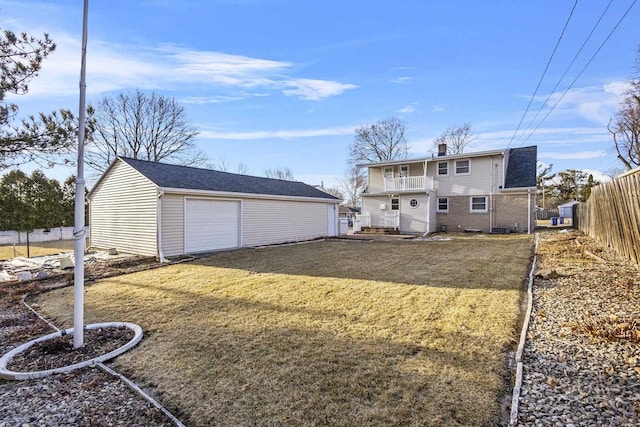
pixel 211 225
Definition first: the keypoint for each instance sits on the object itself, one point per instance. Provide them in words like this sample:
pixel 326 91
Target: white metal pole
pixel 78 232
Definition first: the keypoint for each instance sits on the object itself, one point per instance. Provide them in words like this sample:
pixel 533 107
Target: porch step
pixel 378 230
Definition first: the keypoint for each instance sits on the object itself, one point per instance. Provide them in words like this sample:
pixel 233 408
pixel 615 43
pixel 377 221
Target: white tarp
pixel 22 268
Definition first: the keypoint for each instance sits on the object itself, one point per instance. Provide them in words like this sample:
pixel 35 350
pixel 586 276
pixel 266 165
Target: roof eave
pixel 433 158
pixel 230 194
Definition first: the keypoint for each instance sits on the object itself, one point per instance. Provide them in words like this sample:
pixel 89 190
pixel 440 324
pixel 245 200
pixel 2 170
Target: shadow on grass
pixel 225 371
pixel 468 264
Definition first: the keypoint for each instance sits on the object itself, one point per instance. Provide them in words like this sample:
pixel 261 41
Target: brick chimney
pixel 442 149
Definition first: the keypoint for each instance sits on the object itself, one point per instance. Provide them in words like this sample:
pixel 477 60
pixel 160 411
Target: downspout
pixel 528 211
pixel 493 184
pixel 159 227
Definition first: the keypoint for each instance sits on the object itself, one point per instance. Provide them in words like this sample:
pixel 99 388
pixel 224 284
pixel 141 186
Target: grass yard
pixel 325 333
pixel 35 249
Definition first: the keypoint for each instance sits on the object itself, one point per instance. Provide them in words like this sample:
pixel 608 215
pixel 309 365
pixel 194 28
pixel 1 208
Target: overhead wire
pixel 566 24
pixel 581 71
pixel 565 72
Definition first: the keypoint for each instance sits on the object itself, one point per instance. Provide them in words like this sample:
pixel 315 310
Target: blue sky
pixel 284 83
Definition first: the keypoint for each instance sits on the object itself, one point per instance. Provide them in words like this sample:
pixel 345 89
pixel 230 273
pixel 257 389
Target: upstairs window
pixel 463 167
pixel 443 168
pixel 388 172
pixel 404 171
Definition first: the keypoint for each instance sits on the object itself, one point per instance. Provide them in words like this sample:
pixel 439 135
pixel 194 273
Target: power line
pixel 582 71
pixel 544 72
pixel 566 71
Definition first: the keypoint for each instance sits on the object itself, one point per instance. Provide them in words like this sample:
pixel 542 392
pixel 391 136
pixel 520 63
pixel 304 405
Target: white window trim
pixel 400 170
pixel 438 168
pixel 391 204
pixel 438 210
pixel 455 167
pixel 486 205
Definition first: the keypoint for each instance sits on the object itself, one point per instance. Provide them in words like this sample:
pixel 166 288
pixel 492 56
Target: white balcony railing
pixel 408 183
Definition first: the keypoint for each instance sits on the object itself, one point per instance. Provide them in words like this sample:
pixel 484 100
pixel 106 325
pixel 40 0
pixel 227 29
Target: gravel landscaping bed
pixel 86 397
pixel 582 355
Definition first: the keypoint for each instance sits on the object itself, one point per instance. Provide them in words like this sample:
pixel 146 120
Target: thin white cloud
pixel 314 89
pixel 277 134
pixel 581 155
pixel 437 108
pixel 400 80
pixel 596 103
pixel 597 175
pixel 408 109
pixel 113 67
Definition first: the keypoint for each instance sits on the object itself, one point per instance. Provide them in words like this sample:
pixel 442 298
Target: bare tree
pixel 242 168
pixel 225 166
pixel 147 127
pixel 353 184
pixel 625 129
pixel 543 180
pixel 456 138
pixel 280 173
pixel 381 141
pixel 334 191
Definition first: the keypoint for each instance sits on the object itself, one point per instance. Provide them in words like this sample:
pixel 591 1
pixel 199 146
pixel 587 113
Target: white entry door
pixel 211 225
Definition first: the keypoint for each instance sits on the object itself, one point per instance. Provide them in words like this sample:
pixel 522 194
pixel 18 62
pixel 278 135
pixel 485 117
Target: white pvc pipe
pixel 78 233
pixel 12 375
pixel 142 393
pixel 515 399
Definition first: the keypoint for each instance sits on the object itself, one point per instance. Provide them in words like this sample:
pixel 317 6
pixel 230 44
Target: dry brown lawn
pixel 35 249
pixel 324 333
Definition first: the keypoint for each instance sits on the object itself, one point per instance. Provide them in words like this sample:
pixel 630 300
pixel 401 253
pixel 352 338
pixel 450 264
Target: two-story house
pixel 489 191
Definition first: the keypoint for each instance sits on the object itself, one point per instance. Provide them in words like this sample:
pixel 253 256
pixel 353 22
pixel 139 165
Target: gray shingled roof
pixel 522 167
pixel 172 176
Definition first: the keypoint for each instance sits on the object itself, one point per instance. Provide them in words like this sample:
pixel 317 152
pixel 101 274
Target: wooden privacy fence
pixel 612 214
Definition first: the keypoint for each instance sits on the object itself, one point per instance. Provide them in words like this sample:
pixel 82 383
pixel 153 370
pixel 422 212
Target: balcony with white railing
pixel 408 183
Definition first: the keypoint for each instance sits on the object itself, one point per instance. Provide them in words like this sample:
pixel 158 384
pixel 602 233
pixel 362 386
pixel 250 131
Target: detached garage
pixel 164 210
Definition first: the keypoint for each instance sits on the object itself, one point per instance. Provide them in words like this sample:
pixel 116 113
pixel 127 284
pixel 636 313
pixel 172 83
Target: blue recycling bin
pixel 554 220
pixel 561 220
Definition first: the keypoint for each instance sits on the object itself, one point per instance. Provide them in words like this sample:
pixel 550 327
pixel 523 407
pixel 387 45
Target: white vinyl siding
pixel 275 221
pixel 484 175
pixel 123 212
pixel 172 224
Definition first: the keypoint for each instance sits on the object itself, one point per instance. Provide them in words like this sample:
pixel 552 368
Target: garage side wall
pixel 268 221
pixel 123 212
pixel 172 224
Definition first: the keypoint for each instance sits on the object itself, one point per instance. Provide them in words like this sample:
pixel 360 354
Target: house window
pixel 463 167
pixel 404 171
pixel 395 204
pixel 388 172
pixel 443 168
pixel 414 203
pixel 479 204
pixel 443 204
